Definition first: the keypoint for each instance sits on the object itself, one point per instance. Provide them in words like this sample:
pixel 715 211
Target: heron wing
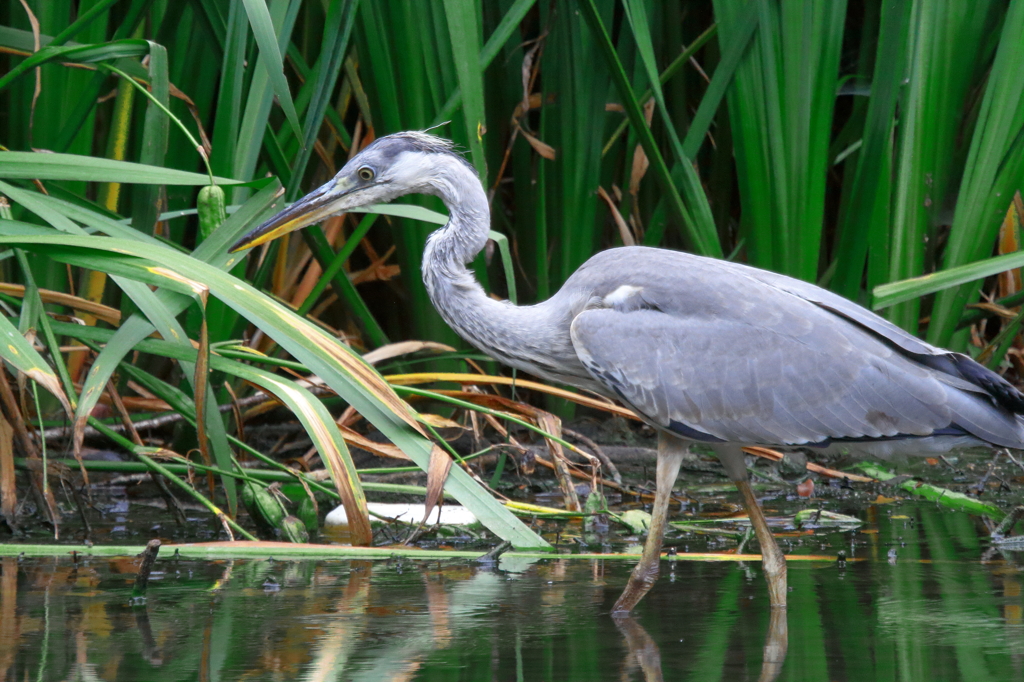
pixel 755 365
pixel 693 281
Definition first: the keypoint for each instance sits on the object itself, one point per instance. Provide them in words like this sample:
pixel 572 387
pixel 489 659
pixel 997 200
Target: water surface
pixel 923 597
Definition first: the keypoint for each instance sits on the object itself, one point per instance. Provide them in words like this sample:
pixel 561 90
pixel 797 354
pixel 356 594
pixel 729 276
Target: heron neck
pixel 469 222
pixel 452 287
pixel 522 337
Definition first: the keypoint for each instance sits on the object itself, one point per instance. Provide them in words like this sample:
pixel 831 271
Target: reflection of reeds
pixel 807 654
pixel 711 654
pixel 902 609
pixel 967 623
pixel 936 613
pixel 1013 616
pixel 643 650
pixel 341 634
pixel 9 630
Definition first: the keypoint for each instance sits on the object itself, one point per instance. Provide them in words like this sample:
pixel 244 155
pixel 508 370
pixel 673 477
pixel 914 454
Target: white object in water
pixel 450 515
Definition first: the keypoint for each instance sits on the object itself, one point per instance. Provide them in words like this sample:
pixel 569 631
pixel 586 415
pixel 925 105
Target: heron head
pixel 403 163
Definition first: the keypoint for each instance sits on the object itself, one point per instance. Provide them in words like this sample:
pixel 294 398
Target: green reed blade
pixel 995 165
pixel 146 198
pixel 464 27
pixel 864 221
pixel 266 36
pixel 228 115
pixel 337 29
pixel 931 121
pixel 698 234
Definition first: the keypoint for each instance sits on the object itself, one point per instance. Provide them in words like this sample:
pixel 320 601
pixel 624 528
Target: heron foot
pixel 641 580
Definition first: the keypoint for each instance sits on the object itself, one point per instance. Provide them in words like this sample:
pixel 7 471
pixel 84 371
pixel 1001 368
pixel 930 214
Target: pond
pixel 921 596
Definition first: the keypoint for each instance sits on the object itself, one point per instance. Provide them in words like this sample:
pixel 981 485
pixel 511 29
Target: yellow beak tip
pixel 259 236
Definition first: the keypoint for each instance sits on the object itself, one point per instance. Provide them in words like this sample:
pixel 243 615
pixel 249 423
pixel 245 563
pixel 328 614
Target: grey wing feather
pixel 956 369
pixel 692 287
pixel 741 384
pixel 752 364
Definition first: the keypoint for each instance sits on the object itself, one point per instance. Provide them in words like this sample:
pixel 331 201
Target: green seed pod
pixel 264 509
pixel 307 514
pixel 293 530
pixel 212 208
pixel 270 508
pixel 249 501
pixel 249 496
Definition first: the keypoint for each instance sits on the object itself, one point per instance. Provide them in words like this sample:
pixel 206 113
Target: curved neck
pixel 452 287
pixel 532 338
pixel 466 232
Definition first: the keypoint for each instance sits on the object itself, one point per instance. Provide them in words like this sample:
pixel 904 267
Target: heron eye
pixel 365 174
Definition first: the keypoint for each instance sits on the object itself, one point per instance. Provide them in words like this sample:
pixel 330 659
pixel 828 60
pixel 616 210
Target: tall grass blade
pixel 146 198
pixel 337 29
pixel 911 289
pixel 82 22
pixel 270 58
pixel 865 220
pixel 33 166
pixel 23 357
pixel 932 117
pixel 464 26
pixel 732 53
pixel 259 101
pixel 697 233
pixel 693 192
pixel 79 54
pixel 228 115
pixel 780 108
pixel 40 320
pixel 509 23
pixel 366 391
pixel 995 165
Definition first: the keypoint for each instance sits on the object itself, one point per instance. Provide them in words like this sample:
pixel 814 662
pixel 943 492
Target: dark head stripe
pixel 391 146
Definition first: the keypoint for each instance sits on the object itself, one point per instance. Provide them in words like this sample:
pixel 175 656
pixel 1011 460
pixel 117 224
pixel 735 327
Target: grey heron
pixel 703 350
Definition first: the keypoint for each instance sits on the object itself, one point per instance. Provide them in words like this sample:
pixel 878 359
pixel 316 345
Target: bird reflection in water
pixel 644 651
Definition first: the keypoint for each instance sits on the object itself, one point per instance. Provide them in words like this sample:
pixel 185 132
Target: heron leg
pixel 772 559
pixel 645 573
pixel 642 647
pixel 776 643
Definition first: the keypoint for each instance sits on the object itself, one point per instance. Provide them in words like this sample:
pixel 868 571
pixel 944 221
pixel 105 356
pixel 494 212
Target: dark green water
pixel 945 607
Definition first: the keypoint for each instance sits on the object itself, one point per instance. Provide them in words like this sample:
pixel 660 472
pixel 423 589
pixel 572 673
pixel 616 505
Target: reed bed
pixel 875 148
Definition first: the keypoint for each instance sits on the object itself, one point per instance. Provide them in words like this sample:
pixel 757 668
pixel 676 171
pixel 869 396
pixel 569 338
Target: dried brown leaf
pixel 358 440
pixel 482 379
pixel 199 397
pixel 553 425
pixel 109 315
pixel 624 232
pixel 394 350
pixel 437 474
pixel 1009 242
pixel 542 148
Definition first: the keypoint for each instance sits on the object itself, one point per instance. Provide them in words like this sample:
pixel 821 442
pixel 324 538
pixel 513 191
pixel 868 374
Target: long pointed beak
pixel 312 208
